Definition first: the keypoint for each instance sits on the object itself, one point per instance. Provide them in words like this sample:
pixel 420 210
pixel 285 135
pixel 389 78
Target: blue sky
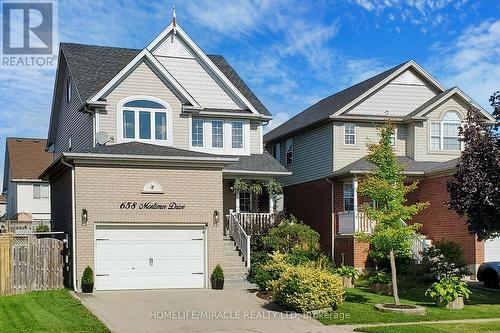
pixel 291 53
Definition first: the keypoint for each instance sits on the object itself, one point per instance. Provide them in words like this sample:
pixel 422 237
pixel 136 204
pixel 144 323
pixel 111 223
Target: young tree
pixel 386 187
pixel 475 187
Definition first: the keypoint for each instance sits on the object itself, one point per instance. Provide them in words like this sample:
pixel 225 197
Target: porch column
pixel 355 202
pixel 271 204
pixel 237 201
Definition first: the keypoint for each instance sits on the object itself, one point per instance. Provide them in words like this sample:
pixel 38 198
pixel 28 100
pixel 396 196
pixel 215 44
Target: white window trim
pixel 119 120
pixel 441 134
pixel 287 145
pixel 228 140
pixel 395 135
pixel 345 134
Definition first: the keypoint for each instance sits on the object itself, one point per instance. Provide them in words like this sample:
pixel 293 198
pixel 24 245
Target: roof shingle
pixel 27 157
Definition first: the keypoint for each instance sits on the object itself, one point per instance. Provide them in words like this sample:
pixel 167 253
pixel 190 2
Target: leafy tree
pixel 291 233
pixel 475 187
pixel 444 260
pixel 386 187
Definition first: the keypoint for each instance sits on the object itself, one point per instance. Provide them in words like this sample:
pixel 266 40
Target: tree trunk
pixel 394 279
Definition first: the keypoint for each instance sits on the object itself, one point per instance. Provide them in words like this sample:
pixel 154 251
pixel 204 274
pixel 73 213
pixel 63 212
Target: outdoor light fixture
pixel 85 217
pixel 216 217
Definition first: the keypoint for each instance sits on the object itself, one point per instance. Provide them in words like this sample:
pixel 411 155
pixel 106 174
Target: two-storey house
pixel 325 148
pixel 27 196
pixel 147 146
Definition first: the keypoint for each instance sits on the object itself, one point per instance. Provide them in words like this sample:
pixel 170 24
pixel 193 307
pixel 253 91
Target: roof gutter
pixel 126 157
pixel 223 113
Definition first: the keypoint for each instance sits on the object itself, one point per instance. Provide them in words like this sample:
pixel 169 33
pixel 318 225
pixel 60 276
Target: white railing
pixel 256 223
pixel 349 222
pixel 240 237
pixel 419 244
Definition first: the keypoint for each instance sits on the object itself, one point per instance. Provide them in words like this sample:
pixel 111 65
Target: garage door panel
pixel 149 258
pixel 492 250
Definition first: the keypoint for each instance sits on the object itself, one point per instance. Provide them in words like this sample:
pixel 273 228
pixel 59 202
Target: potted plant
pixel 217 278
pixel 88 280
pixel 349 274
pixel 380 283
pixel 449 292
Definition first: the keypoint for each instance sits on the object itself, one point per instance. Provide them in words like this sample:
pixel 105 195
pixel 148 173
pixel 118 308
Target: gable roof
pixel 27 157
pixel 328 106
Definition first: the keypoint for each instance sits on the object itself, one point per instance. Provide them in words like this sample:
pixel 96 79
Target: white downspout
pixel 355 204
pixel 73 223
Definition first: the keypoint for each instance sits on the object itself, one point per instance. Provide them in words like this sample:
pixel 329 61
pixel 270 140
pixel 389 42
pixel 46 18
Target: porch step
pixel 232 263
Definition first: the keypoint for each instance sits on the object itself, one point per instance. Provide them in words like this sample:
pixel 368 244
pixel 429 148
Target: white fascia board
pixel 125 157
pixel 400 70
pixel 256 172
pixel 24 180
pixel 226 114
pixel 199 52
pixel 144 54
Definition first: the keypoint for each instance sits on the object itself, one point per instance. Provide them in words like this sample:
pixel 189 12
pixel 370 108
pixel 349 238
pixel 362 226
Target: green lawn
pixel 489 327
pixel 358 307
pixel 46 311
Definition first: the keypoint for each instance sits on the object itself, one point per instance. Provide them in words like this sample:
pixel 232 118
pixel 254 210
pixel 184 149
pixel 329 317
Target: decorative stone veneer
pixel 101 189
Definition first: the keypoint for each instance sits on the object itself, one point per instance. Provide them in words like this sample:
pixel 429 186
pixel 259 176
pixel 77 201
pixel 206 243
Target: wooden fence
pixel 29 263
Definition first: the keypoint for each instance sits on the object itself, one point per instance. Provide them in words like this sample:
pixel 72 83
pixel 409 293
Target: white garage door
pixel 492 250
pixel 149 257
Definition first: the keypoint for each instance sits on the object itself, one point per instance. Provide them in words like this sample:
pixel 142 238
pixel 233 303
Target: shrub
pixel 266 273
pixel 379 277
pixel 217 274
pixel 42 228
pixel 444 260
pixel 305 289
pixel 291 233
pixel 88 276
pixel 448 289
pixel 348 271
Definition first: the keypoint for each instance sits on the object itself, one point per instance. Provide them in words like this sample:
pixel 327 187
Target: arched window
pixel 444 134
pixel 146 120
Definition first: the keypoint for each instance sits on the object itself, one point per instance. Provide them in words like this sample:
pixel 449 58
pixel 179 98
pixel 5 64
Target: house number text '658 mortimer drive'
pixel 150 205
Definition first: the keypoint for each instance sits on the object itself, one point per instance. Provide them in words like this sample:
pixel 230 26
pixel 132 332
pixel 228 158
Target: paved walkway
pixel 195 310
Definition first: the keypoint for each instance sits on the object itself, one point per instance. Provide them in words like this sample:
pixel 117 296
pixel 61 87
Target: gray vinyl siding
pixel 61 210
pixel 72 123
pixel 312 155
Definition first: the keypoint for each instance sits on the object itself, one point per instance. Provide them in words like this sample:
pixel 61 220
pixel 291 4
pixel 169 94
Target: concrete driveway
pixel 194 310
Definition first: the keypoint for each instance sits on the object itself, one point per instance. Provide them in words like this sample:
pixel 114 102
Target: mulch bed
pixel 266 295
pixel 401 306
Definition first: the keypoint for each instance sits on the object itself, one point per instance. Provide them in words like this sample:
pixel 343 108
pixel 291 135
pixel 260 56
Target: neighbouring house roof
pixel 327 106
pixel 411 166
pixel 260 163
pixel 27 157
pixel 92 67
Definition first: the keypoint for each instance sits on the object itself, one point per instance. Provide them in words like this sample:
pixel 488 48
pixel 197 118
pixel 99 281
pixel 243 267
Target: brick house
pixel 325 148
pixel 147 146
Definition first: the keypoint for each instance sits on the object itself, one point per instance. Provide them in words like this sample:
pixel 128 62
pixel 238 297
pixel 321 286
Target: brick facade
pixel 311 202
pixel 438 223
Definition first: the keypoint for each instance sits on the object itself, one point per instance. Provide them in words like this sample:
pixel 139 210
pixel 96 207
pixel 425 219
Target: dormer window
pixel 444 134
pixel 146 120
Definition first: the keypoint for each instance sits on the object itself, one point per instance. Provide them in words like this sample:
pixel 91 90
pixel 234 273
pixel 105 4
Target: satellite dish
pixel 102 138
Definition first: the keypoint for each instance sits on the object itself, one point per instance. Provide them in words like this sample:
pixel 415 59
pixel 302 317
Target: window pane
pixel 350 139
pixel 245 202
pixel 348 196
pixel 237 135
pixel 45 191
pixel 160 126
pixel 451 116
pixel 197 133
pixel 350 128
pixel 436 129
pixel 128 124
pixel 144 125
pixel 450 129
pixel 277 151
pixel 393 140
pixel 143 104
pixel 451 144
pixel 435 143
pixel 217 134
pixel 36 192
pixel 289 151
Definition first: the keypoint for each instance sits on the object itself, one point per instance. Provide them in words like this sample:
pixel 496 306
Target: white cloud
pixel 278 119
pixel 472 61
